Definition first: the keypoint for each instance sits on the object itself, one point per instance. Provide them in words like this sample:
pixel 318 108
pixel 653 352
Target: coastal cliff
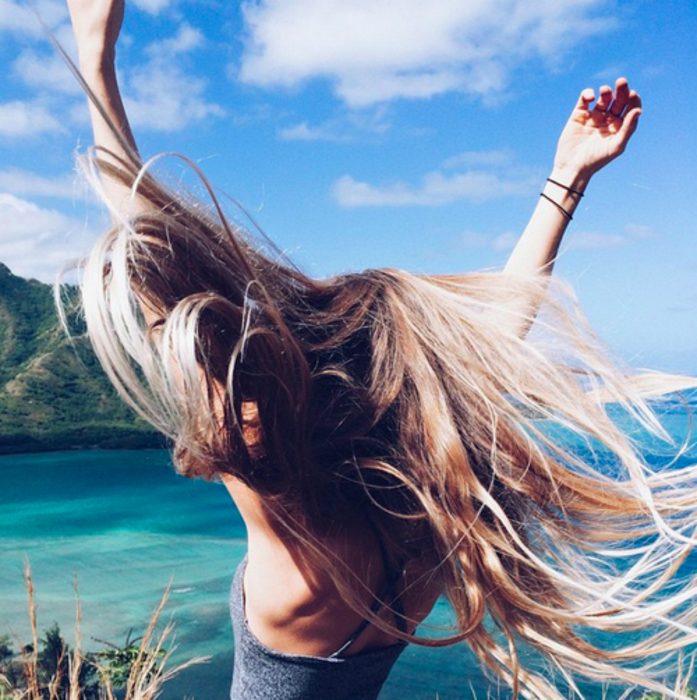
pixel 53 394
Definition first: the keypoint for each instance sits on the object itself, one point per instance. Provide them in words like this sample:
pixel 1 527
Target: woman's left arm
pixel 591 139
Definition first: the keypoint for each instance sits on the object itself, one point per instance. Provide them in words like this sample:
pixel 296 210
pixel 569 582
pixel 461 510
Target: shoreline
pixel 121 439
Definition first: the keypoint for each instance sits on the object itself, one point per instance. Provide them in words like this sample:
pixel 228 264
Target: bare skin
pixel 289 606
pixel 295 609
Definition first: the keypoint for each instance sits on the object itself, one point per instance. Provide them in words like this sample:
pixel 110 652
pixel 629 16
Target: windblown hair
pixel 427 406
pixel 422 404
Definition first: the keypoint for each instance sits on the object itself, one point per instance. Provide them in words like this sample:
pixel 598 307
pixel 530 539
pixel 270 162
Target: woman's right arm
pixel 96 25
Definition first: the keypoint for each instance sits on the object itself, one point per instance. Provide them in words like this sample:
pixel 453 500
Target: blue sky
pixel 367 133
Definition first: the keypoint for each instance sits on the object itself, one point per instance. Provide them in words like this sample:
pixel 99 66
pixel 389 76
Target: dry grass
pixel 149 671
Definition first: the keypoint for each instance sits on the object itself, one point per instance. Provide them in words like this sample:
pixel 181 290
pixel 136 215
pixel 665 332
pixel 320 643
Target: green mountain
pixel 53 394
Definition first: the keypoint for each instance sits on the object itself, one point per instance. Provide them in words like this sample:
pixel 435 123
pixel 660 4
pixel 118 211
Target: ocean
pixel 124 525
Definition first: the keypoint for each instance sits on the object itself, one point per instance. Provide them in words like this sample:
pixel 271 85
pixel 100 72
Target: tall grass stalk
pixel 146 677
pixel 31 661
pixel 76 659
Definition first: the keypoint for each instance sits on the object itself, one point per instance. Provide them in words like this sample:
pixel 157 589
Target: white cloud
pixel 377 50
pixel 594 240
pixel 478 158
pixel 14 18
pixel 45 71
pixel 639 231
pixel 152 7
pixel 37 242
pixel 505 241
pixel 25 183
pixel 160 95
pixel 186 39
pixel 26 119
pixel 574 240
pixel 473 239
pixel 609 73
pixel 435 189
pixel 347 127
pixel 19 18
pixel 304 132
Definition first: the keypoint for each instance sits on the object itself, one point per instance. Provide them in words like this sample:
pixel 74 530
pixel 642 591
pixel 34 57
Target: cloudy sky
pixel 363 133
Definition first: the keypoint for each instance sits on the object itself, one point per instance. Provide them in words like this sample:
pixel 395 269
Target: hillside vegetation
pixel 53 394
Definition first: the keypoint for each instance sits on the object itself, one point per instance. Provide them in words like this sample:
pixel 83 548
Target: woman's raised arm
pixel 592 137
pixel 96 25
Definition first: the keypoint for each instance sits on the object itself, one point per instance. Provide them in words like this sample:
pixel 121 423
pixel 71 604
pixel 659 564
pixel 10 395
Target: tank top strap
pixel 389 595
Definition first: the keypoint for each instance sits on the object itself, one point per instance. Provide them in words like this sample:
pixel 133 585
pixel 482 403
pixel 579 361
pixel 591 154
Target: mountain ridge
pixel 53 393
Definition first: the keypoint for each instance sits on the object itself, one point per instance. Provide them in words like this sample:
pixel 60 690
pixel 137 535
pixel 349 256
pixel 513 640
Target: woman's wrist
pixel 564 189
pixel 571 178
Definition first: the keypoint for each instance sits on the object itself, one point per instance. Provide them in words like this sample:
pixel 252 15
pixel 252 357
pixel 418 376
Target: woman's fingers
pixel 629 125
pixel 616 109
pixel 605 99
pixel 599 111
pixel 634 101
pixel 585 98
pixel 627 128
pixel 614 105
pixel 630 119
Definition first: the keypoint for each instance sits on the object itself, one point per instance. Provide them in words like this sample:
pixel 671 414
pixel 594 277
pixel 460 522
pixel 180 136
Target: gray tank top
pixel 261 673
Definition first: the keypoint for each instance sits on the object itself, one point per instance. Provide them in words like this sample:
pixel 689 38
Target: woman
pixel 391 438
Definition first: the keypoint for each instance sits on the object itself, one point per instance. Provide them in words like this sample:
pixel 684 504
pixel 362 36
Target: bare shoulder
pixel 293 608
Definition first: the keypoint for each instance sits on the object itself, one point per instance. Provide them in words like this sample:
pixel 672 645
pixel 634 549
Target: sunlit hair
pixel 441 410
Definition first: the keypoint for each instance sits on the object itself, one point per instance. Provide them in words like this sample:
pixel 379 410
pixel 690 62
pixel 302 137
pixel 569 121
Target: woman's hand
pixel 96 25
pixel 594 136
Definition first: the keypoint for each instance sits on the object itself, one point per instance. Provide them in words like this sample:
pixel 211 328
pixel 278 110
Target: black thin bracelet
pixel 558 206
pixel 565 187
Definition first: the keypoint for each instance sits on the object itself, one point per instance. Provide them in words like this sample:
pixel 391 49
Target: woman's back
pixel 295 635
pixel 294 607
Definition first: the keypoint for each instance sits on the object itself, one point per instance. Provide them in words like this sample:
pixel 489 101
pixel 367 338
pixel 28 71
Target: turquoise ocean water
pixel 125 525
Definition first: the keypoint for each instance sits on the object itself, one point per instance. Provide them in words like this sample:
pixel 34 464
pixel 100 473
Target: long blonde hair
pixel 423 405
